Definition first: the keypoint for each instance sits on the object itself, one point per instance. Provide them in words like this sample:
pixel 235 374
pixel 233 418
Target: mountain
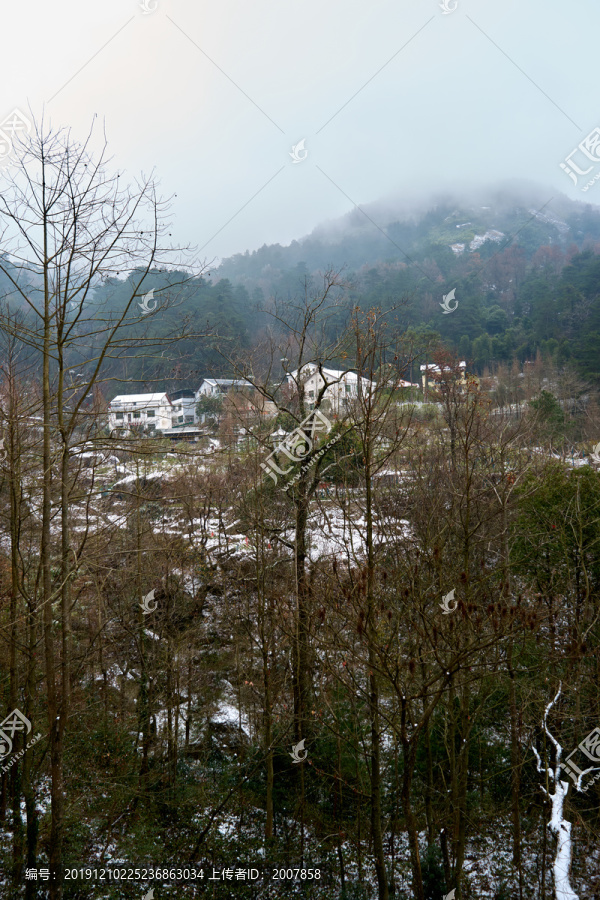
pixel 524 265
pixel 438 231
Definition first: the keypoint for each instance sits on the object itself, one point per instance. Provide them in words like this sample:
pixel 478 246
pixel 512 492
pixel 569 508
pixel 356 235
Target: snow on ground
pixel 337 534
pixel 161 718
pixel 480 239
pixel 113 674
pixel 146 476
pixel 227 714
pixel 123 470
pixel 151 634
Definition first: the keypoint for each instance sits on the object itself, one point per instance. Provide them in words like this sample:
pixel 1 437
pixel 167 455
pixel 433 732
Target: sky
pixel 391 98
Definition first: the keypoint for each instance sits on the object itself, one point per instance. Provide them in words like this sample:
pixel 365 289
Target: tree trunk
pixel 301 674
pixel 144 697
pixel 411 827
pixel 54 731
pixel 15 781
pixel 515 781
pixel 268 740
pixel 429 787
pixel 30 808
pixel 376 829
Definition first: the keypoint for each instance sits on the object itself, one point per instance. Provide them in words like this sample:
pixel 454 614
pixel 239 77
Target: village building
pixel 241 398
pixel 342 386
pixel 430 373
pixel 152 412
pixel 184 407
pixel 218 387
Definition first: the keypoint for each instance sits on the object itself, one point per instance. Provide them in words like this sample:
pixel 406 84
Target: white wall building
pixel 429 372
pixel 151 411
pixel 216 387
pixel 342 387
pixel 183 408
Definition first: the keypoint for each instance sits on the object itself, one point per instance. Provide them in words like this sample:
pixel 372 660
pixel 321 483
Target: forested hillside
pixel 530 284
pixel 526 278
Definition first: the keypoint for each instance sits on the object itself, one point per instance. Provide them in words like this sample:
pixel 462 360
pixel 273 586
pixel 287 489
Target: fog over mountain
pixel 413 226
pixel 412 204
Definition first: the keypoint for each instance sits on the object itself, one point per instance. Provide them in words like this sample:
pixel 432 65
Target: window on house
pixel 118 415
pixel 151 427
pixel 151 412
pixel 136 415
pixel 348 388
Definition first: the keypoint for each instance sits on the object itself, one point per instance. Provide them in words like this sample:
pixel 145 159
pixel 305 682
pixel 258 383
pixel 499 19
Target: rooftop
pixel 435 370
pixel 227 382
pixel 344 375
pixel 184 393
pixel 161 397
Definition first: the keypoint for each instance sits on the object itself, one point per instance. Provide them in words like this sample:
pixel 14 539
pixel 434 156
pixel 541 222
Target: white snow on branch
pixel 558 824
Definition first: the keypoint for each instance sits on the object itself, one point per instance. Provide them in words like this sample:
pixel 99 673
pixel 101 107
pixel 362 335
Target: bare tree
pixel 67 224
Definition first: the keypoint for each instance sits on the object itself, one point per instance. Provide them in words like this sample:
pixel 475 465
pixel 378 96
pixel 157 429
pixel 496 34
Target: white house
pixel 151 411
pixel 216 387
pixel 184 407
pixel 342 385
pixel 242 394
pixel 430 370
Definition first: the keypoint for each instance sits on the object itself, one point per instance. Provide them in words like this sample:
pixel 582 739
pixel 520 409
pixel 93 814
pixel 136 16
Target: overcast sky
pixel 392 97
